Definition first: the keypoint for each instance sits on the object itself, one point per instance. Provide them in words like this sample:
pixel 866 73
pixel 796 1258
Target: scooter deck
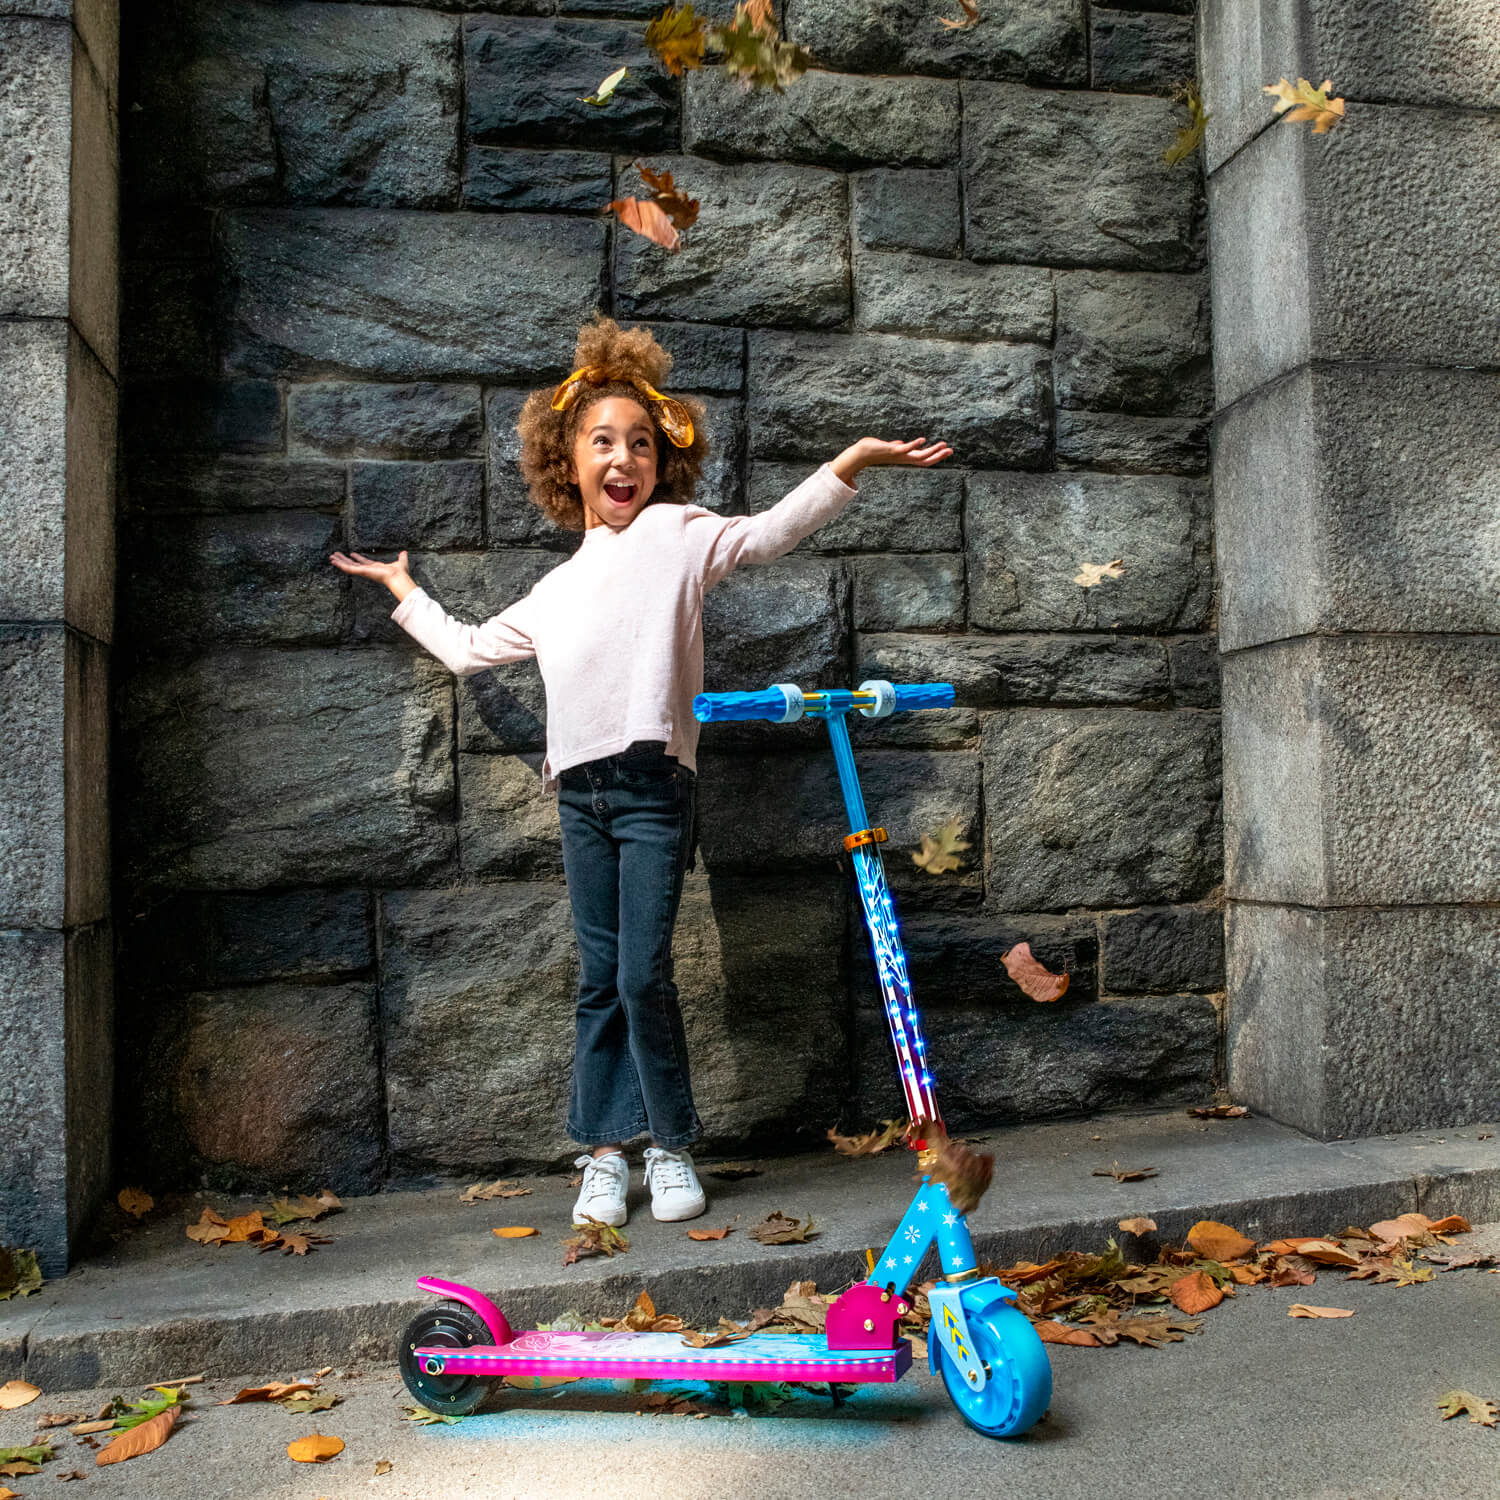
pixel 664 1356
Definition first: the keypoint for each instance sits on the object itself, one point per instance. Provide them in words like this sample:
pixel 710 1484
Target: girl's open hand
pixel 869 452
pixel 366 567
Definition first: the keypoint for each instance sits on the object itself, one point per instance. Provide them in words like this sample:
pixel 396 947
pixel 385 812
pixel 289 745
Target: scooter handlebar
pixel 783 702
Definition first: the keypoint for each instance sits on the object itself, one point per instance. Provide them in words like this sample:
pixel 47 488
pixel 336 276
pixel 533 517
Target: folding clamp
pixel 853 841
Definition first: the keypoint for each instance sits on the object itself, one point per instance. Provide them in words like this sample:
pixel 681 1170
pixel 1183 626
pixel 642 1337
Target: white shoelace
pixel 670 1171
pixel 598 1182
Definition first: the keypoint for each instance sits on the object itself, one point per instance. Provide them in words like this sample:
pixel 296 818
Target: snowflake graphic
pixel 922 1206
pixel 890 1260
pixel 950 1220
pixel 913 1234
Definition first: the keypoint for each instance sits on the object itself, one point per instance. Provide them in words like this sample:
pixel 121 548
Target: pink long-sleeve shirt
pixel 617 629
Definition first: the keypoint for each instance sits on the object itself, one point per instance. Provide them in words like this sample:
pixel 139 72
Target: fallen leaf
pixel 1403 1227
pixel 939 851
pixel 276 1391
pixel 1215 1241
pixel 424 1418
pixel 1285 1273
pixel 1051 1332
pixel 593 1239
pixel 889 1133
pixel 318 1401
pixel 1195 1292
pixel 73 1474
pixel 1032 976
pixel 135 1201
pixel 733 1171
pixel 778 1229
pixel 1453 1224
pixel 605 92
pixel 1091 575
pixel 1310 103
pixel 20 1273
pixel 144 1438
pixel 709 1234
pixel 9 1494
pixel 712 1340
pixel 1324 1251
pixel 500 1188
pixel 1125 1174
pixel 645 218
pixel 1302 1310
pixel 514 1231
pixel 1218 1111
pixel 382 1466
pixel 971 17
pixel 1248 1275
pixel 676 36
pixel 14 1468
pixel 1405 1272
pixel 1480 1411
pixel 1152 1333
pixel 1190 135
pixel 537 1382
pixel 1137 1226
pixel 315 1448
pixel 16 1393
pixel 84 1428
pixel 60 1418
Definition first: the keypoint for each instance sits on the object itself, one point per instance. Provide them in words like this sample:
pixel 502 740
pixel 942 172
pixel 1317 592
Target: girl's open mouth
pixel 621 494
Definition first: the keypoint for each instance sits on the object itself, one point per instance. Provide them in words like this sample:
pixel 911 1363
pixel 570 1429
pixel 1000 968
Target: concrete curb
pixel 160 1306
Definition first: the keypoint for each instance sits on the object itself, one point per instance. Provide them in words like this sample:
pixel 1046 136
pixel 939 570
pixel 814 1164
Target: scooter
pixel 991 1360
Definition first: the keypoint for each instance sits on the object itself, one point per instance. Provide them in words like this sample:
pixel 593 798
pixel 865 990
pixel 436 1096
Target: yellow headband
pixel 672 415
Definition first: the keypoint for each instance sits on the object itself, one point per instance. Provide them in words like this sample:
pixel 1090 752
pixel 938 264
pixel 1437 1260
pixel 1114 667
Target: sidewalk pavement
pixel 158 1305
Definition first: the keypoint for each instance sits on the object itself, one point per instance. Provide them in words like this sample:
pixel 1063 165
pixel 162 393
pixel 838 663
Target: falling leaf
pixel 971 17
pixel 1302 1310
pixel 148 1436
pixel 1311 104
pixel 1052 1332
pixel 1480 1411
pixel 1215 1241
pixel 276 1391
pixel 756 56
pixel 676 37
pixel 514 1231
pixel 778 1229
pixel 761 15
pixel 1189 136
pixel 1195 1292
pixel 1125 1174
pixel 16 1393
pixel 1090 575
pixel 605 92
pixel 645 218
pixel 594 1239
pixel 669 198
pixel 1218 1111
pixel 708 1234
pixel 1034 978
pixel 1137 1226
pixel 500 1188
pixel 966 1174
pixel 889 1133
pixel 20 1274
pixel 315 1448
pixel 135 1201
pixel 939 850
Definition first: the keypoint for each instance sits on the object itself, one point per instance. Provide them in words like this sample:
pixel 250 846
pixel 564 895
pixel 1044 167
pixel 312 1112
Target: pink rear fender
pixel 494 1319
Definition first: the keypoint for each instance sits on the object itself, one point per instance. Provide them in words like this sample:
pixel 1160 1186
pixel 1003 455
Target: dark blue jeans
pixel 627 839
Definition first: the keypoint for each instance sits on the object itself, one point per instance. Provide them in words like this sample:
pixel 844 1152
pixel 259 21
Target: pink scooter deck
pixel 620 1354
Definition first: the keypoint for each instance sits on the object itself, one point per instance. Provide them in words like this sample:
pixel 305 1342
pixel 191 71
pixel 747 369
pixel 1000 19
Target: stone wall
pixel 355 237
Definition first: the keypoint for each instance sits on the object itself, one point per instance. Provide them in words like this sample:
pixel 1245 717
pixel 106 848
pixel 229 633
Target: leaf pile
pixel 251 1228
pixel 593 1239
pixel 779 1229
pixel 481 1192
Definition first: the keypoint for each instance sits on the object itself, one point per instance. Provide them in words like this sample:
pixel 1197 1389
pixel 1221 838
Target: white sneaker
pixel 676 1192
pixel 602 1195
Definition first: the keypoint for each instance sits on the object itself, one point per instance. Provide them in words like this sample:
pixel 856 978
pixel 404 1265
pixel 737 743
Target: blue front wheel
pixel 1019 1385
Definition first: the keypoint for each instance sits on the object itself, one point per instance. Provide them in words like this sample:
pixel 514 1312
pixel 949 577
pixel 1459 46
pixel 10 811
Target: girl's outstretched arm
pixel 463 649
pixel 727 542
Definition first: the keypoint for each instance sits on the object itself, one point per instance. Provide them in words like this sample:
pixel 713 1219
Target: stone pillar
pixel 58 373
pixel 1356 307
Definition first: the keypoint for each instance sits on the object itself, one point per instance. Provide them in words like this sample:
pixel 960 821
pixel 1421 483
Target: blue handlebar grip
pixel 709 707
pixel 925 695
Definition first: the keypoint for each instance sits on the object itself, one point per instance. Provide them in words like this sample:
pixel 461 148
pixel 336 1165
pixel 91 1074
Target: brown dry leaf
pixel 1035 979
pixel 644 218
pixel 16 1393
pixel 1311 104
pixel 1124 1174
pixel 1221 1242
pixel 1403 1227
pixel 1453 1224
pixel 889 1134
pixel 1315 1248
pixel 1091 575
pixel 966 1174
pixel 644 1318
pixel 300 1406
pixel 514 1231
pixel 210 1229
pixel 714 1339
pixel 971 17
pixel 1051 1332
pixel 939 851
pixel 135 1201
pixel 1286 1273
pixel 1138 1226
pixel 382 1466
pixel 14 1468
pixel 60 1418
pixel 298 1244
pixel 144 1438
pixel 1405 1272
pixel 594 1238
pixel 1218 1111
pixel 709 1234
pixel 1302 1310
pixel 761 15
pixel 1480 1410
pixel 1195 1292
pixel 1190 135
pixel 501 1188
pixel 84 1428
pixel 732 1171
pixel 8 1494
pixel 315 1448
pixel 669 198
pixel 1152 1333
pixel 779 1229
pixel 677 37
pixel 755 54
pixel 72 1474
pixel 1248 1275
pixel 273 1392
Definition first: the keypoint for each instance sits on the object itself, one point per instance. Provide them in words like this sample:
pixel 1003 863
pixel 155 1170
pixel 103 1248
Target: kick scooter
pixel 991 1360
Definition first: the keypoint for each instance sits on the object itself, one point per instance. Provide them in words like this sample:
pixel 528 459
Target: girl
pixel 616 631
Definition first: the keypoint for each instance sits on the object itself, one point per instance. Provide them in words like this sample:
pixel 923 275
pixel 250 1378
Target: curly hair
pixel 622 354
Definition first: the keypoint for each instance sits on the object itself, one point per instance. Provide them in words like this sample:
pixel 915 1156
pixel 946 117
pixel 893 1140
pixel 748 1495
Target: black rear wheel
pixel 445 1325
